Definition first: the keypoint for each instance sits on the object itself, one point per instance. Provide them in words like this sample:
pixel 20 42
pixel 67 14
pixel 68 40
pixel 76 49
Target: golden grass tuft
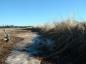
pixel 69 43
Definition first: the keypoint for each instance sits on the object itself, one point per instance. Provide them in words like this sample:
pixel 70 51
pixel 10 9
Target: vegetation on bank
pixel 68 44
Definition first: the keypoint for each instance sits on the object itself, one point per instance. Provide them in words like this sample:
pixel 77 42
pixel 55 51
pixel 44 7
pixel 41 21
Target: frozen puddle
pixel 18 57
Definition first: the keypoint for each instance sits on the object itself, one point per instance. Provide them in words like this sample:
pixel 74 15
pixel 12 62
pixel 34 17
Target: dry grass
pixel 69 43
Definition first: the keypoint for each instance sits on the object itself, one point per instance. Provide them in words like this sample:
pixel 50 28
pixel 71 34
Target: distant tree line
pixel 12 26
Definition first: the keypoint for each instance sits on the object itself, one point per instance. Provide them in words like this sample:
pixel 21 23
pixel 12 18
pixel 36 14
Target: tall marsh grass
pixel 68 44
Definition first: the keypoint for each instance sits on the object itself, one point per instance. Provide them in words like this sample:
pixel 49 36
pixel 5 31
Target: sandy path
pixel 18 57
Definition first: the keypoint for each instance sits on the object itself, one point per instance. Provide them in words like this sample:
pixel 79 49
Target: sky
pixel 35 12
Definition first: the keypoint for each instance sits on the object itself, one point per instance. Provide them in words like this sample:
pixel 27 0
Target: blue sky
pixel 34 12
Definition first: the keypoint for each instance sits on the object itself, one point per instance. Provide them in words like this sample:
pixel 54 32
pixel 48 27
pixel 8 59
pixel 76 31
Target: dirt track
pixel 19 39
